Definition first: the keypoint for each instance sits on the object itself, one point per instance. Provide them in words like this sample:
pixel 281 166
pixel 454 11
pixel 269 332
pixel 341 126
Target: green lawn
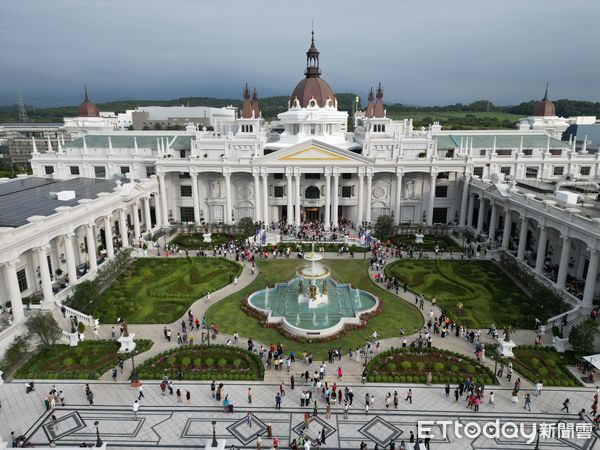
pixel 160 290
pixel 88 361
pixel 488 295
pixel 396 312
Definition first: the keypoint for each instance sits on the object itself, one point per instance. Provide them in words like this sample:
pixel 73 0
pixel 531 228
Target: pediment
pixel 315 152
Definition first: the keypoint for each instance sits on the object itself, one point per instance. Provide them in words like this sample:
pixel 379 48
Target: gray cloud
pixel 424 52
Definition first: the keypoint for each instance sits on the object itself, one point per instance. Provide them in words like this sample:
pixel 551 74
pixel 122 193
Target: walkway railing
pixel 81 317
pixel 557 320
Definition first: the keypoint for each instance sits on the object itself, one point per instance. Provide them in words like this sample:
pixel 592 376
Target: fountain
pixel 313 304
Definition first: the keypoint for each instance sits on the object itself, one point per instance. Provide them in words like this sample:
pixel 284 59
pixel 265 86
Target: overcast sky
pixel 424 52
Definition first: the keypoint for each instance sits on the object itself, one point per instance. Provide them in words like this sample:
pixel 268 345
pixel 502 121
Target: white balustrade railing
pixel 81 317
pixel 557 320
pixel 8 335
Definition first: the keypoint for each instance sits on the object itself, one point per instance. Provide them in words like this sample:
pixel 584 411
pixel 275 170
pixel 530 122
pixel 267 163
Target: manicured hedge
pixel 89 360
pixel 202 362
pixel 545 364
pixel 408 365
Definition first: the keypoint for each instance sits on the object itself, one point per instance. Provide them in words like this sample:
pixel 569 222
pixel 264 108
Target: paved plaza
pixel 163 423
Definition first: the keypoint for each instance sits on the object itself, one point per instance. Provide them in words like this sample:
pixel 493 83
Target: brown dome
pixel 87 108
pixel 310 88
pixel 544 108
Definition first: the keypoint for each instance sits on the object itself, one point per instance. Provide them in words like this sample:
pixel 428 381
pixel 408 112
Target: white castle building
pixel 525 190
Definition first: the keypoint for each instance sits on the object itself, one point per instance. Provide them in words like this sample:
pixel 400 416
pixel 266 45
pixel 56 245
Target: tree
pixel 583 336
pixel 84 297
pixel 45 327
pixel 384 227
pixel 246 225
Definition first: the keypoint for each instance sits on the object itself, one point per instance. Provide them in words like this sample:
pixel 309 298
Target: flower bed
pixel 195 241
pixel 544 364
pixel 87 361
pixel 201 362
pixel 408 365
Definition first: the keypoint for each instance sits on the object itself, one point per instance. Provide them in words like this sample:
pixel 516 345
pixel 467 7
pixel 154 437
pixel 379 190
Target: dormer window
pixel 296 103
pixel 329 103
pixel 312 103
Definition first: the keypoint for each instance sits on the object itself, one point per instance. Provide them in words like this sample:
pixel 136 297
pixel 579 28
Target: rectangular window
pixel 124 169
pixel 505 170
pixel 312 176
pixel 346 191
pixel 531 172
pixel 100 171
pixel 186 213
pixel 278 191
pixel 556 151
pixel 504 152
pixel 150 170
pixel 482 152
pixel 346 176
pixel 22 278
pixel 528 152
pixel 478 171
pixel 558 170
pixel 184 175
pixel 74 170
pixel 186 191
pixel 278 176
pixel 441 191
pixel 440 215
pixel 49 170
pixel 584 170
pixel 182 153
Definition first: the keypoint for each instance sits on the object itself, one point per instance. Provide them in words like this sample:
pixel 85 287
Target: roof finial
pixel 312 32
pixel 85 90
pixel 546 93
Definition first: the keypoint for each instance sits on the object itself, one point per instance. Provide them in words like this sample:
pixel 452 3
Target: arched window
pixel 312 192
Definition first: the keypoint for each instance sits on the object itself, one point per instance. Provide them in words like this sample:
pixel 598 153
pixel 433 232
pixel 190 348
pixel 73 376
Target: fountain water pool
pixel 312 303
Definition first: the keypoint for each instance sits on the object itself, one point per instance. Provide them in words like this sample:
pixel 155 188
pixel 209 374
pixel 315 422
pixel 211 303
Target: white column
pixel 541 250
pixel 369 192
pixel 297 188
pixel 45 274
pixel 108 236
pixel 123 227
pixel 431 199
pixel 70 256
pixel 163 199
pixel 92 247
pixel 361 195
pixel 522 239
pixel 327 200
pixel 397 208
pixel 464 202
pixel 493 221
pixel 480 213
pixel 290 204
pixel 590 279
pixel 158 210
pixel 506 230
pixel 195 199
pixel 257 214
pixel 265 202
pixel 335 199
pixel 563 266
pixel 227 217
pixel 147 217
pixel 136 221
pixel 470 210
pixel 14 293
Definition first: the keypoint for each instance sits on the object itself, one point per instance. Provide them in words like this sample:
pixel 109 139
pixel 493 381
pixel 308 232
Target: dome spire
pixel 312 59
pixel 86 99
pixel 255 108
pixel 370 106
pixel 546 93
pixel 247 105
pixel 378 112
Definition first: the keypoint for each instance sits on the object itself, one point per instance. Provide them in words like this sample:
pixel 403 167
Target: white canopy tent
pixel 594 360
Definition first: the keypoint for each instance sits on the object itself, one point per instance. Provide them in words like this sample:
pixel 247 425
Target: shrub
pixel 402 379
pixel 186 361
pixel 435 379
pixel 237 362
pixel 222 362
pixel 377 378
pixel 68 362
pixel 391 366
pixel 197 362
pixel 470 369
pixel 542 371
pixel 84 361
pixel 550 363
pixel 454 368
pixel 171 360
pixel 405 365
pixel 438 366
pixel 454 380
pixel 209 361
pixel 422 378
pixel 420 366
pixel 536 362
pixel 409 379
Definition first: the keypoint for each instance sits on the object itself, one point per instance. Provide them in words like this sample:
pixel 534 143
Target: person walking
pixel 345 410
pixel 249 395
pixel 456 395
pixel 114 374
pixel 249 419
pixel 278 401
pixel 213 387
pixel 538 388
pixel 527 402
pixel 566 404
pixel 409 396
pixel 141 392
pixel 136 408
pixel 491 399
pixel 258 442
pixel 447 390
pixel 179 395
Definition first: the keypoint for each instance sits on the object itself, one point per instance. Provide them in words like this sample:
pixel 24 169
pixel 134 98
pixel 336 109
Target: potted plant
pixel 81 330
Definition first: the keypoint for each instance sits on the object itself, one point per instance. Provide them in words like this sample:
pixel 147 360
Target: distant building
pixel 18 138
pixel 149 117
pixel 544 118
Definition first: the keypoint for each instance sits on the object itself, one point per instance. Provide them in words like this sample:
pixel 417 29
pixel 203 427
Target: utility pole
pixel 21 107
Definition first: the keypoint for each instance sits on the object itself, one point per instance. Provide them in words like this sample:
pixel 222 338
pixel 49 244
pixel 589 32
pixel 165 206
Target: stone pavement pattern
pixel 163 423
